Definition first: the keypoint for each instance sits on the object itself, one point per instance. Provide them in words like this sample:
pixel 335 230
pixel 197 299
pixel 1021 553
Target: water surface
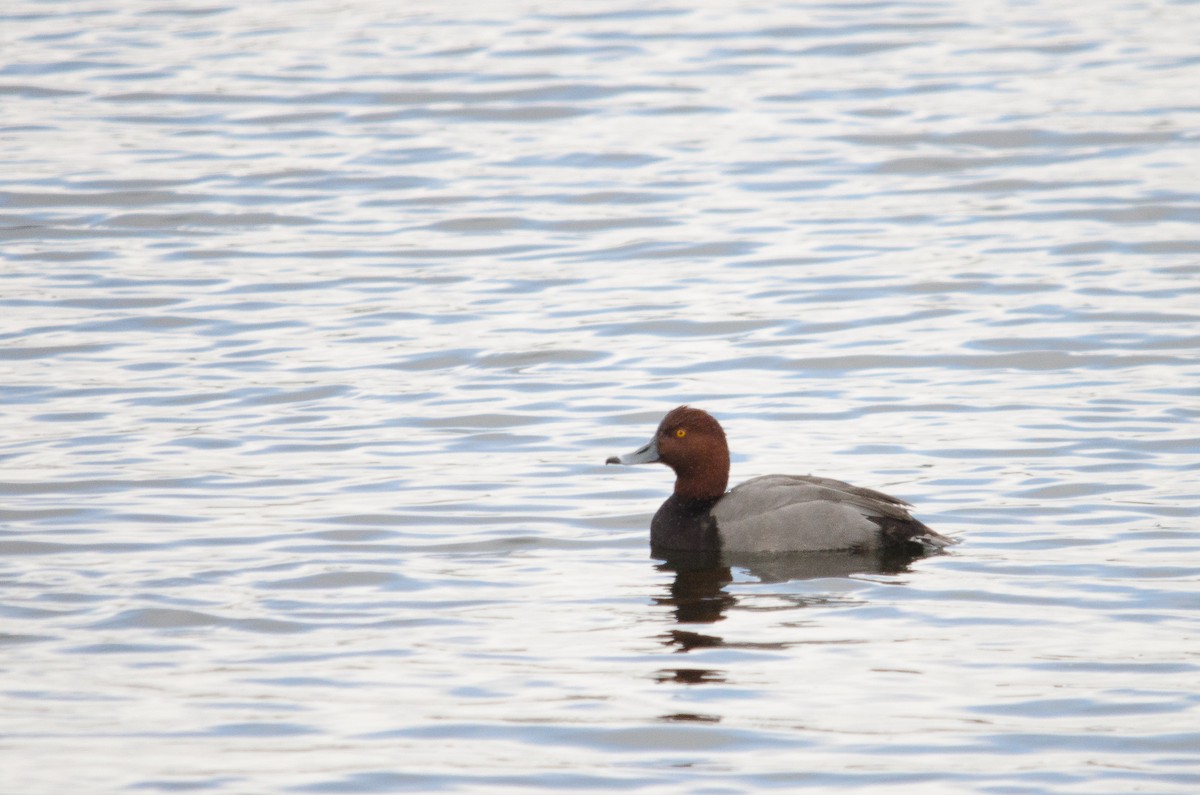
pixel 319 320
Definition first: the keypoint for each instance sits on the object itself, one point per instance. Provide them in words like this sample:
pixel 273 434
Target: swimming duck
pixel 772 513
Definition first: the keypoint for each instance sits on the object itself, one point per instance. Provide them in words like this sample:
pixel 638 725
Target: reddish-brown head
pixel 692 443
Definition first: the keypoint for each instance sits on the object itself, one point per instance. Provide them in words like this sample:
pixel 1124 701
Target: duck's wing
pixel 841 486
pixel 804 512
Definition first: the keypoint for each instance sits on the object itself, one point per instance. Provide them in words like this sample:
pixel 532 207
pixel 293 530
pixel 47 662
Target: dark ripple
pixel 48 351
pixel 1047 360
pixel 345 579
pixel 34 92
pixel 1017 139
pixel 174 221
pixel 679 737
pixel 176 619
pixel 139 198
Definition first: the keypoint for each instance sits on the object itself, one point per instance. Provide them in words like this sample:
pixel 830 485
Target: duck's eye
pixel 680 433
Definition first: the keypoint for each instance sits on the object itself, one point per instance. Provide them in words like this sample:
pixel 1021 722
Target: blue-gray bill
pixel 646 454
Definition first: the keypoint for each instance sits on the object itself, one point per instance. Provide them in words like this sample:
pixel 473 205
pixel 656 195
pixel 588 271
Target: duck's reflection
pixel 689 676
pixel 698 595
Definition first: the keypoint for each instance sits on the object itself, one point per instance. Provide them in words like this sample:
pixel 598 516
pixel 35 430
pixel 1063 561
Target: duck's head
pixel 692 443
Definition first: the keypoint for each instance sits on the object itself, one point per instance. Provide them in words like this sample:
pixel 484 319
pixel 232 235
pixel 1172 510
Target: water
pixel 320 319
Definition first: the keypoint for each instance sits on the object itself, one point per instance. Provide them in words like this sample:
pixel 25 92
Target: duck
pixel 767 514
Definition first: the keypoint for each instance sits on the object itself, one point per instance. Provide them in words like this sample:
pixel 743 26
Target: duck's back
pixel 805 513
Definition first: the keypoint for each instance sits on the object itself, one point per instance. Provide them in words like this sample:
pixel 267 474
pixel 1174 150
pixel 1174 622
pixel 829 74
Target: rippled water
pixel 319 320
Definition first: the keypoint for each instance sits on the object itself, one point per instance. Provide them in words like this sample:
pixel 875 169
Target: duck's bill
pixel 646 454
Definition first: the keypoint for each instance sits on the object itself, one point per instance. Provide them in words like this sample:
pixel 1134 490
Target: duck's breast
pixel 777 513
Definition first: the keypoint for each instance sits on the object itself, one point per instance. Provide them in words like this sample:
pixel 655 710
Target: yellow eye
pixel 680 433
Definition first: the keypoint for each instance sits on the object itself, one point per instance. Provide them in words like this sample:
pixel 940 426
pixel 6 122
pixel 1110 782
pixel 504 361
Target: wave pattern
pixel 317 322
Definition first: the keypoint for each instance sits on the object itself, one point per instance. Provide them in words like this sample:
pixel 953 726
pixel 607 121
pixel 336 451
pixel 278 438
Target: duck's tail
pixel 933 540
pixel 902 532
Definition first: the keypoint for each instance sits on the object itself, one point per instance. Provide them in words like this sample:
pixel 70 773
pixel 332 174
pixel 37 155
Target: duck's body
pixel 792 513
pixel 773 513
